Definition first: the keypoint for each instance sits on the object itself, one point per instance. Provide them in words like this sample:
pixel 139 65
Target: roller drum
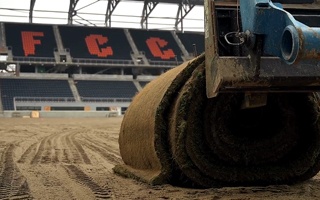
pixel 172 133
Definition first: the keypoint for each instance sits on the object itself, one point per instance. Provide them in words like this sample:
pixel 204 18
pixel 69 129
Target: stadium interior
pixel 49 67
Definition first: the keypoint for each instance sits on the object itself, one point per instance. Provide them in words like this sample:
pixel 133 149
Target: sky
pixel 127 14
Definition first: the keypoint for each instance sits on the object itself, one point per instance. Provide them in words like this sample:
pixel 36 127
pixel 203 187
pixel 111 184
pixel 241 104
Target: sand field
pixel 73 159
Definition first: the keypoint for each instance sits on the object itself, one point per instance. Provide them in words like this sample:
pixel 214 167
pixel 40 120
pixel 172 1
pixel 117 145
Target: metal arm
pixel 283 36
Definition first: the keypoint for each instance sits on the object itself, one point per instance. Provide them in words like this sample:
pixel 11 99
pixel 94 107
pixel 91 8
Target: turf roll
pixel 172 133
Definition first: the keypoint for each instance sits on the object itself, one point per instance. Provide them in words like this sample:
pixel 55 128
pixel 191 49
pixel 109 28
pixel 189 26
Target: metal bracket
pixel 255 55
pixel 256 73
pixel 254 100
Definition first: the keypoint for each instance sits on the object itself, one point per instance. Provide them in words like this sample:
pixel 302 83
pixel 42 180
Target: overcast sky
pixel 95 13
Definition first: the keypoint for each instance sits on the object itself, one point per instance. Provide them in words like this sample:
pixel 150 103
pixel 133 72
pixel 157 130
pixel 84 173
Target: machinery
pixel 246 112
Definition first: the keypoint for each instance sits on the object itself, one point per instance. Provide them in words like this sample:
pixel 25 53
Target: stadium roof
pixel 196 2
pixel 146 13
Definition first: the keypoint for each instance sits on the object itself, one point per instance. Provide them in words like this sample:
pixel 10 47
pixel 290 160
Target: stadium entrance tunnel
pixel 172 133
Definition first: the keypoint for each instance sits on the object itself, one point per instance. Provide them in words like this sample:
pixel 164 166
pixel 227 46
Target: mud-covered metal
pixel 276 69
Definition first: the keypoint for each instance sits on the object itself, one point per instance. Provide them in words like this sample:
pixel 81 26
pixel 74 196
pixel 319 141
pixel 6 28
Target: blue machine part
pixel 283 36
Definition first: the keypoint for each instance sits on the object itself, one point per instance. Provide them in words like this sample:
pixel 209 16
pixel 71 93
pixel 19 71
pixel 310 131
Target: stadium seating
pixel 106 89
pixel 36 44
pixel 95 43
pixel 189 39
pixel 143 83
pixel 30 40
pixel 157 45
pixel 11 88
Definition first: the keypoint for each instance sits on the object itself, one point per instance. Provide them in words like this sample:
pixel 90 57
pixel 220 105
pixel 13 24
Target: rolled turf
pixel 172 133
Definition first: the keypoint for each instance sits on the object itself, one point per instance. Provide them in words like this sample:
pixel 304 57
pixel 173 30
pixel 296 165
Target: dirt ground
pixel 73 159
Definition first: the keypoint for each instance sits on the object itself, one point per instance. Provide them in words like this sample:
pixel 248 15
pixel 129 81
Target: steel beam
pixel 148 7
pixel 72 12
pixel 184 8
pixel 32 3
pixel 112 4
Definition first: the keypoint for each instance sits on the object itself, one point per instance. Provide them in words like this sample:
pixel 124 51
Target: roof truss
pixel 185 6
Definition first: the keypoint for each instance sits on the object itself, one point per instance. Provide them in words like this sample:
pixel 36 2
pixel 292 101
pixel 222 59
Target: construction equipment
pixel 245 112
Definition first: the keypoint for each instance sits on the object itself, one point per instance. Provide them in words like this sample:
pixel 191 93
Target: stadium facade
pixel 88 68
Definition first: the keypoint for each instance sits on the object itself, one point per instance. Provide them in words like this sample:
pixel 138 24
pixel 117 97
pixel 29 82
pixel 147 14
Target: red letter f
pixel 29 42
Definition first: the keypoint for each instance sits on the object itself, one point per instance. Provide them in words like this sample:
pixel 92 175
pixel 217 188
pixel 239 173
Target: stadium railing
pixel 40 60
pixel 71 99
pixel 44 99
pixel 102 61
pixel 109 100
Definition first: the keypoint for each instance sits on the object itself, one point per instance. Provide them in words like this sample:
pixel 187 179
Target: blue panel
pixel 284 37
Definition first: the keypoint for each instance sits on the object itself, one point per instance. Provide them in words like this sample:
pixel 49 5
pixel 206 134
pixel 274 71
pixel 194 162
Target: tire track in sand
pixel 79 176
pixel 60 147
pixel 103 149
pixel 30 150
pixel 13 185
pixel 41 149
pixel 77 149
